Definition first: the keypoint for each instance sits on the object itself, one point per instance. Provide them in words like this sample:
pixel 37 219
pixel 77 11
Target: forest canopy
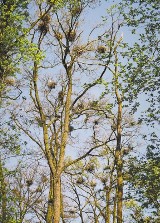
pixel 79 97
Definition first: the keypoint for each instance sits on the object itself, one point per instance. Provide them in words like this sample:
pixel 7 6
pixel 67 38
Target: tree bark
pixel 3 195
pixel 108 191
pixel 57 200
pixel 49 217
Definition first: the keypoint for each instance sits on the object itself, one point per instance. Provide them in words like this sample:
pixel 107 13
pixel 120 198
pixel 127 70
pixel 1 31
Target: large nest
pixel 90 167
pixel 10 80
pixel 80 180
pixel 101 49
pixel 43 26
pixel 58 36
pixel 78 51
pixel 46 19
pixel 51 84
pixel 75 11
pixel 71 35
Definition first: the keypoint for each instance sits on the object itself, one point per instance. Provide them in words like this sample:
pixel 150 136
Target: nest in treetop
pixel 43 27
pixel 76 11
pixel 78 50
pixel 39 190
pixel 46 19
pixel 29 182
pixel 72 211
pixel 90 167
pixel 71 35
pixel 71 128
pixel 44 178
pixel 51 84
pixel 10 80
pixel 93 183
pixel 101 49
pixel 80 180
pixel 80 106
pixel 58 36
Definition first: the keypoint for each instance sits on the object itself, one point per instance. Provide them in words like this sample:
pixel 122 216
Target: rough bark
pixel 3 195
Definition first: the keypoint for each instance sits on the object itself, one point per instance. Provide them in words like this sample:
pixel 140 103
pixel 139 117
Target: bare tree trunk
pixel 57 200
pixel 49 217
pixel 119 165
pixel 114 209
pixel 108 191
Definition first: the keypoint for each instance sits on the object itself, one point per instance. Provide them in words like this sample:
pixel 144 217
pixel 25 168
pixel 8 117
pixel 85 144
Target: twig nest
pixel 44 179
pixel 125 151
pixel 43 27
pixel 60 96
pixel 93 183
pixel 78 51
pixel 76 11
pixel 10 80
pixel 101 49
pixel 71 128
pixel 58 36
pixel 51 84
pixel 80 106
pixel 29 182
pixel 46 19
pixel 72 211
pixel 71 35
pixel 90 167
pixel 39 190
pixel 93 104
pixel 80 180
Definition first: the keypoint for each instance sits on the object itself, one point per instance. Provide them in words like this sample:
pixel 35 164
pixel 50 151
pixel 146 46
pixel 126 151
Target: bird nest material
pixel 71 35
pixel 93 183
pixel 80 180
pixel 101 49
pixel 58 36
pixel 76 11
pixel 46 19
pixel 90 167
pixel 43 27
pixel 10 80
pixel 29 182
pixel 51 84
pixel 78 50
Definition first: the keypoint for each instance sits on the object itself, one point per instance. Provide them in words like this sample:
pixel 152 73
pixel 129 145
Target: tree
pixel 143 18
pixel 54 100
pixel 12 39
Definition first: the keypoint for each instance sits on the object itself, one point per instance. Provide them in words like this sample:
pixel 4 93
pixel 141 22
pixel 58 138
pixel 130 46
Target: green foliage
pixel 14 46
pixel 144 178
pixel 143 56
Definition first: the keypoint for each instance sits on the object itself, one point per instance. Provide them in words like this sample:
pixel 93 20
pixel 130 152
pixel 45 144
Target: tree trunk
pixel 108 191
pixel 119 164
pixel 49 217
pixel 57 200
pixel 3 195
pixel 118 155
pixel 114 209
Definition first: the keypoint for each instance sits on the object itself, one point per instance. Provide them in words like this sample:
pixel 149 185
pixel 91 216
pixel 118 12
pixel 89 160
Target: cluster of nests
pixel 78 50
pixel 71 35
pixel 43 26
